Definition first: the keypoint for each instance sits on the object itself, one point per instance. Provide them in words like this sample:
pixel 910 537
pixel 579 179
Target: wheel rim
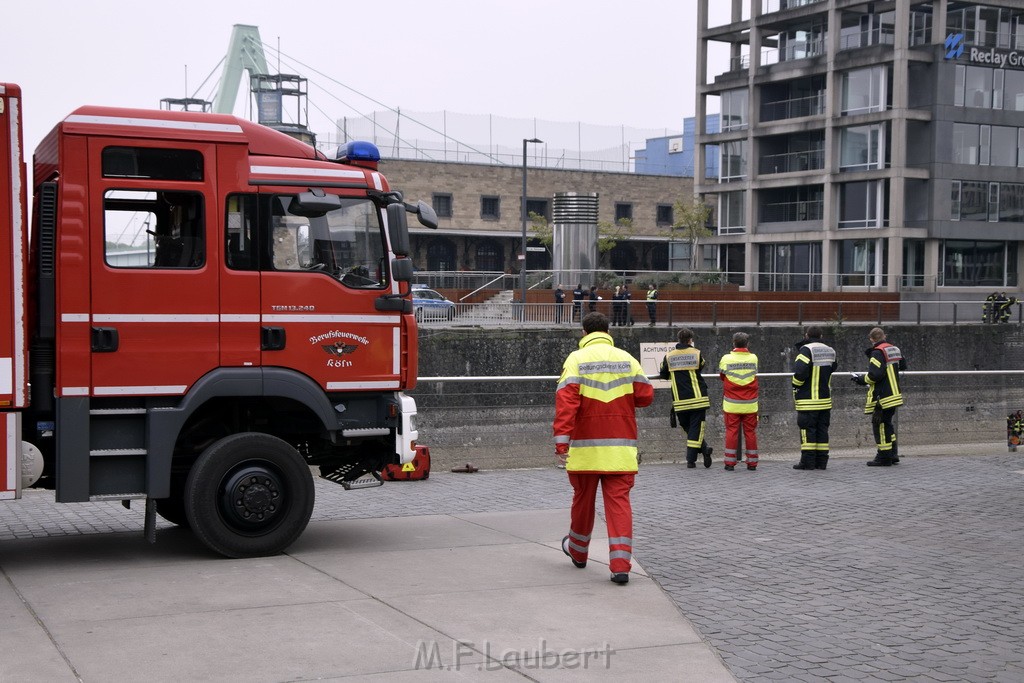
pixel 254 498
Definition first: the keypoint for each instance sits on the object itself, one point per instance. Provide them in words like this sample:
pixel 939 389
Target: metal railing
pixel 505 421
pixel 785 212
pixel 715 312
pixel 792 162
pixel 797 107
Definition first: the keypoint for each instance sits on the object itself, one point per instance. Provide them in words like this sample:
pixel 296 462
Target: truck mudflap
pixel 10 456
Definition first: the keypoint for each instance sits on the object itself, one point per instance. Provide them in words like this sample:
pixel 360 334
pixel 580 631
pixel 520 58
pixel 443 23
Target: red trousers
pixel 733 423
pixel 617 511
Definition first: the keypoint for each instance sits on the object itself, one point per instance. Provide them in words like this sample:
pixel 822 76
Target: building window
pixel 734 160
pixel 1004 146
pixel 977 264
pixel 860 204
pixel 731 213
pixel 861 147
pixel 440 254
pixel 443 205
pixel 1013 90
pixel 1011 203
pixel 966 147
pixel 541 207
pixel 789 267
pixel 734 109
pixel 860 262
pixel 993 202
pixel 973 201
pixel 954 209
pixel 490 208
pixel 623 211
pixel 913 263
pixel 864 91
pixel 489 257
pixel 665 215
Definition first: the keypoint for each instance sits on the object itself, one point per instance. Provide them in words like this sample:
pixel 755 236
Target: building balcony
pixel 795 108
pixel 792 162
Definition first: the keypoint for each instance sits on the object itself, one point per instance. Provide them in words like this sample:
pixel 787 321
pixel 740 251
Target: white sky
pixel 608 62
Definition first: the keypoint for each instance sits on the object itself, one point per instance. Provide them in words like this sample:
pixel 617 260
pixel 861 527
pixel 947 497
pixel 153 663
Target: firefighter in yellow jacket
pixel 885 362
pixel 596 437
pixel 738 370
pixel 683 365
pixel 812 393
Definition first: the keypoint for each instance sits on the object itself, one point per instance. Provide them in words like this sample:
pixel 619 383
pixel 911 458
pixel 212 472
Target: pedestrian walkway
pixel 467 596
pixel 854 573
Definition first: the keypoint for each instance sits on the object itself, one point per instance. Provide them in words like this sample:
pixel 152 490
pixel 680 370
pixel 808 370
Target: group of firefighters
pixel 997 308
pixel 595 429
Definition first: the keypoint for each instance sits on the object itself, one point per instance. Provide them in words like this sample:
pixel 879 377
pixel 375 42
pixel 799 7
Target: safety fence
pixel 505 422
pixel 496 312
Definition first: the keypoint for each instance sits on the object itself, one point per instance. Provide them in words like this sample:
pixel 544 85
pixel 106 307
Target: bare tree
pixel 691 225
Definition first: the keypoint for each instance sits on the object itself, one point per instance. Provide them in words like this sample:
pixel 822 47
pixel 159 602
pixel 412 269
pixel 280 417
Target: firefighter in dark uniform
pixel 885 362
pixel 1005 304
pixel 682 365
pixel 812 392
pixel 988 309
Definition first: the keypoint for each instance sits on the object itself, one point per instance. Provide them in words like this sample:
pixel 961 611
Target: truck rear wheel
pixel 249 495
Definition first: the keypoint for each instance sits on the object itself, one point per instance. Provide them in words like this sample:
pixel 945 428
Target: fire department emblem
pixel 339 348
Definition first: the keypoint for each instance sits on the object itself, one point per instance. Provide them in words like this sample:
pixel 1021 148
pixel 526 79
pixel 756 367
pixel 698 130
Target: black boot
pixel 820 461
pixel 806 462
pixel 706 451
pixel 881 461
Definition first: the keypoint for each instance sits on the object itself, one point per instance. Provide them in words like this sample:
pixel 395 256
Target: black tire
pixel 249 495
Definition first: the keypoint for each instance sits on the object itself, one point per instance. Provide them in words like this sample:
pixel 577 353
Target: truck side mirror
pixel 313 203
pixel 427 215
pixel 398 229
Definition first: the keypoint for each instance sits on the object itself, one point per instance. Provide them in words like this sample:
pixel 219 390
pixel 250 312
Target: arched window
pixel 490 257
pixel 440 254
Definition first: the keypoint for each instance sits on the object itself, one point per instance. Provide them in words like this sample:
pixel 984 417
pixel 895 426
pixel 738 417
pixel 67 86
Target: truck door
pixel 12 291
pixel 155 266
pixel 324 273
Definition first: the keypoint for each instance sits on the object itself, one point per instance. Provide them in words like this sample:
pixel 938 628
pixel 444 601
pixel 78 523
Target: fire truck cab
pixel 206 309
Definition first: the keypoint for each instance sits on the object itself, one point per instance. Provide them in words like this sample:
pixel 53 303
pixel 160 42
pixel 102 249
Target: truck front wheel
pixel 249 495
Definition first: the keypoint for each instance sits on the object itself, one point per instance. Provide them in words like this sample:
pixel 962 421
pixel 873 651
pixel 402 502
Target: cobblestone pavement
pixel 855 573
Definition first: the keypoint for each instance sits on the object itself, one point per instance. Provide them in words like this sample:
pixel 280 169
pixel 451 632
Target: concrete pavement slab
pixel 420 598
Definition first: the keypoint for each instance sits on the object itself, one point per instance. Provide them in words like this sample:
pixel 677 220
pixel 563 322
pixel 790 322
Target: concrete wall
pixel 508 424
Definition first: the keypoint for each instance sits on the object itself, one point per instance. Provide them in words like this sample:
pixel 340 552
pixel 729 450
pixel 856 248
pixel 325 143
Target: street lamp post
pixel 522 256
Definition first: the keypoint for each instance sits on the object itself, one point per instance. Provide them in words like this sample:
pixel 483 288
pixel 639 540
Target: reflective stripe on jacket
pixel 598 392
pixel 738 370
pixel 885 362
pixel 682 365
pixel 812 376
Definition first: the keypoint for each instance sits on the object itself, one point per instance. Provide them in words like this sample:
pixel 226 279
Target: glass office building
pixel 874 145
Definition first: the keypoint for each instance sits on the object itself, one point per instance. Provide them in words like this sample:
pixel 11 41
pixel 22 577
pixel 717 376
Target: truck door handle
pixel 272 338
pixel 104 339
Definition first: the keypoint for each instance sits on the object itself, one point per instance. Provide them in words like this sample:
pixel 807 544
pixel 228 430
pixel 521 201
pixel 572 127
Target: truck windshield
pixel 346 243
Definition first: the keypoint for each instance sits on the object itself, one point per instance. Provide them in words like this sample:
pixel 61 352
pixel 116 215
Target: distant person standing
pixel 812 392
pixel 885 362
pixel 596 438
pixel 617 307
pixel 578 295
pixel 652 303
pixel 682 366
pixel 559 302
pixel 627 299
pixel 738 370
pixel 594 298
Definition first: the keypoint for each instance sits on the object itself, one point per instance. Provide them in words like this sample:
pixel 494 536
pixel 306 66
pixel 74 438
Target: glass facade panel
pixel 863 90
pixel 965 143
pixel 978 87
pixel 734 109
pixel 734 160
pixel 858 205
pixel 1004 146
pixel 792 267
pixel 859 147
pixel 974 263
pixel 858 262
pixel 731 213
pixel 1013 90
pixel 913 263
pixel 973 201
pixel 1011 202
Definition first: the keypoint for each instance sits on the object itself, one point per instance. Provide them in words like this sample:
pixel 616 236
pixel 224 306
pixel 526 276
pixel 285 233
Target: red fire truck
pixel 205 309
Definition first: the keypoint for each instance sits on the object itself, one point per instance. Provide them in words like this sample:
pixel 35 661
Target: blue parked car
pixel 431 305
